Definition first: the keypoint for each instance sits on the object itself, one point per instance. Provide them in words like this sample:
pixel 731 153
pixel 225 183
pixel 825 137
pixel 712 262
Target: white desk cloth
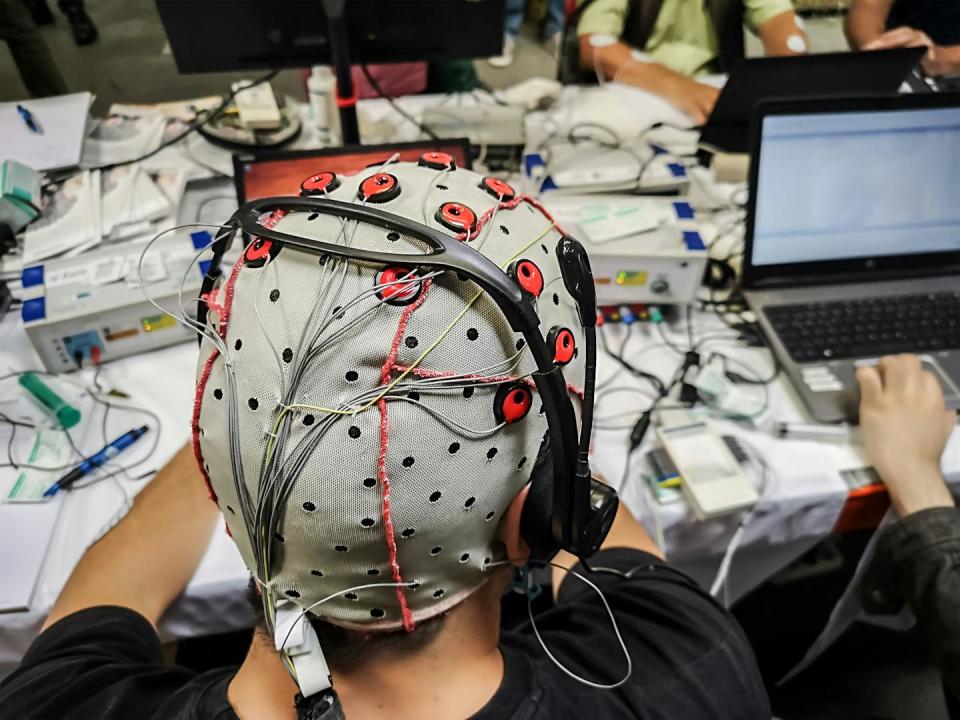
pixel 800 504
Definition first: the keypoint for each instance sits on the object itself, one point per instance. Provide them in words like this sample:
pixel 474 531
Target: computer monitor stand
pixel 340 56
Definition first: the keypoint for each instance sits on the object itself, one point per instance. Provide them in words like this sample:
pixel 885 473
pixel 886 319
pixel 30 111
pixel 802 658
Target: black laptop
pixel 876 72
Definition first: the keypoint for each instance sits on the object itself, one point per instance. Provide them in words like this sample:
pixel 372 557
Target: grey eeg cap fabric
pixel 307 334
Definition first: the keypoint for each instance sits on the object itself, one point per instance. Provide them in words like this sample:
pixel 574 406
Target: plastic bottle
pixel 321 90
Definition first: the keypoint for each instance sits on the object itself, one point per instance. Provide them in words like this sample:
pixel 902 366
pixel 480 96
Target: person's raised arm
pixel 782 35
pixel 866 21
pixel 147 559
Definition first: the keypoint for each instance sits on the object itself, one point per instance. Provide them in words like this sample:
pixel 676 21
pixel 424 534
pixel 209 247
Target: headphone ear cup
pixel 535 521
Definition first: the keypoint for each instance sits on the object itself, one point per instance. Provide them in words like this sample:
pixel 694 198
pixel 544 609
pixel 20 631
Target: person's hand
pixel 905 37
pixel 694 98
pixel 905 427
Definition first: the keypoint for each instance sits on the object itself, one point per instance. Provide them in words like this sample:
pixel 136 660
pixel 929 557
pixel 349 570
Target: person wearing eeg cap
pixel 372 426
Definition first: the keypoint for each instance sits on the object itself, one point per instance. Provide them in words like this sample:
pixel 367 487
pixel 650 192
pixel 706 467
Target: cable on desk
pixel 395 105
pixel 198 122
pixel 637 372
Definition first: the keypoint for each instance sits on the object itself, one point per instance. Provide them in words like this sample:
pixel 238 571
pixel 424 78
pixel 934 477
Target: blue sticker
pixel 200 239
pixel 34 309
pixel 657 149
pixel 683 210
pixel 677 170
pixel 204 266
pixel 32 276
pixel 693 241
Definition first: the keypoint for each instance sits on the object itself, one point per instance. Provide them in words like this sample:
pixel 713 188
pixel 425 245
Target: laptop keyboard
pixel 868 327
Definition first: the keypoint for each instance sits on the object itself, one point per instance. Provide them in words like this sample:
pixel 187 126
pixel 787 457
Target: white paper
pixel 119 139
pixel 68 221
pixel 63 120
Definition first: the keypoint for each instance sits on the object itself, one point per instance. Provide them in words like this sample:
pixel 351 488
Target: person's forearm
pixel 616 62
pixel 865 22
pixel 781 35
pixel 147 559
pixel 947 60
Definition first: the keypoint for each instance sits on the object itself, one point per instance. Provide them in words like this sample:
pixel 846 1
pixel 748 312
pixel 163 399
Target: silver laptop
pixel 853 240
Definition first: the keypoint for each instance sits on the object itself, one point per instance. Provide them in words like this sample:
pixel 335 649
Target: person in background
pixel 662 45
pixel 30 53
pixel 550 31
pixel 884 24
pixel 82 27
pixel 905 429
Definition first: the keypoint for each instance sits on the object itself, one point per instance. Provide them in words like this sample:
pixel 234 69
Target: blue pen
pixel 30 120
pixel 96 460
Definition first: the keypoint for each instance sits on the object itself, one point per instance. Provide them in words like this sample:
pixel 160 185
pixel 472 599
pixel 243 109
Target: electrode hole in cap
pixel 408 461
pixel 472 334
pixel 354 432
pixel 454 448
pixel 409 532
pixel 274 295
pixel 287 355
pixel 468 392
pixel 491 453
pixel 411 342
pixel 292 593
pixel 489 516
pixel 253 403
pixel 373 572
pixel 414 395
pixel 464 557
pixel 218 394
pixel 376 613
pixel 469 502
pixel 350 596
pixel 351 376
pixel 434 496
pixel 238 344
pixel 278 537
pixel 316 573
pixel 436 551
pixel 340 548
pixel 393 236
pixel 309 506
pixel 308 420
pixel 369 482
pixel 368 522
pixel 438 594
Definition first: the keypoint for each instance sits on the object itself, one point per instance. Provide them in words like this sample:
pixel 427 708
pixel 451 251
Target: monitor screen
pixel 282 174
pixel 850 185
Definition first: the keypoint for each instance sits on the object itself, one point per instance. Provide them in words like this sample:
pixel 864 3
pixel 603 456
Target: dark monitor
pixel 267 175
pixel 229 35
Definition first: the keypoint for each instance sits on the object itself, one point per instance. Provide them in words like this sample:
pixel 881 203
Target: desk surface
pixel 802 498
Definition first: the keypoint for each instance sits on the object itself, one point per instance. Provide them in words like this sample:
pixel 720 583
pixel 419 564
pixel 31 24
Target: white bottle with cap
pixel 321 91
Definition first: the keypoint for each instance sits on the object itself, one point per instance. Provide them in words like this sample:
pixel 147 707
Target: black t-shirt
pixel 690 660
pixel 940 19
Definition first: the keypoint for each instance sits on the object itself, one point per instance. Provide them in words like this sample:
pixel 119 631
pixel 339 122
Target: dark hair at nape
pixel 347 650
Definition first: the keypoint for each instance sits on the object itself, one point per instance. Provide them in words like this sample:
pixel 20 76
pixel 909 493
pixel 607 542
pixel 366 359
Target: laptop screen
pixel 282 173
pixel 848 185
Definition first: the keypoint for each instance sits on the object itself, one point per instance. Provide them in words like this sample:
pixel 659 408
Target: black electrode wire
pixel 200 120
pixel 396 106
pixel 635 371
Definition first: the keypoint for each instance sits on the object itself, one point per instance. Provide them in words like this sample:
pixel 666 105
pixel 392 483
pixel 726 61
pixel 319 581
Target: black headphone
pixel 566 507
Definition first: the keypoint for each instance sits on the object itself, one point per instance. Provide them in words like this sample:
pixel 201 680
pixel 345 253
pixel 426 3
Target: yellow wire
pixel 430 348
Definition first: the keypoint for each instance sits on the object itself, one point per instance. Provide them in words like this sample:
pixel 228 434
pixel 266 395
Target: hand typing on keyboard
pixel 905 429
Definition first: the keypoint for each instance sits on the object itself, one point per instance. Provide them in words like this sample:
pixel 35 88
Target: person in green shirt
pixel 661 45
